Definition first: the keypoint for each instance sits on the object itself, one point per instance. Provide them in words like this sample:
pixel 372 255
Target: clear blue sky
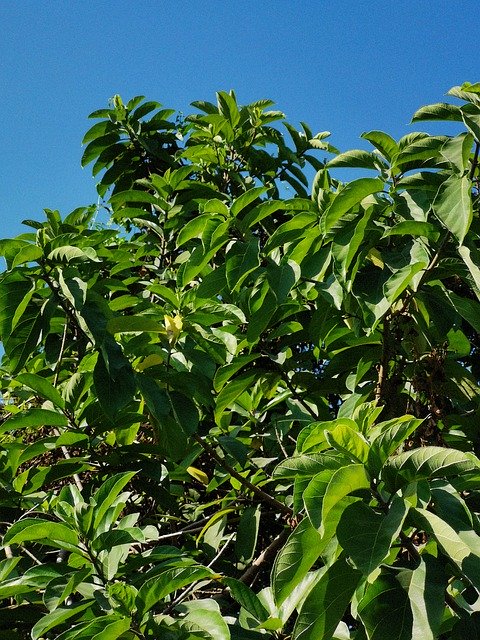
pixel 340 65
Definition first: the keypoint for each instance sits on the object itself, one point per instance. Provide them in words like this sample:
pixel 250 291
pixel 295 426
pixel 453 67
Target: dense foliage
pixel 246 407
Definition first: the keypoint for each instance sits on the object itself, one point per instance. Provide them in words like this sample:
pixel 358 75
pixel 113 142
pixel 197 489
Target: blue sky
pixel 340 65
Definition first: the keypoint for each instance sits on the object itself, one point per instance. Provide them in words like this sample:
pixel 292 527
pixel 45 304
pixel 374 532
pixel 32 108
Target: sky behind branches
pixel 340 65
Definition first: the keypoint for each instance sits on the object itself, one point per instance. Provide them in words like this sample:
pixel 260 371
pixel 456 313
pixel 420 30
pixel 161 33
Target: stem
pixel 267 554
pixel 299 398
pixel 259 493
pixel 475 160
pixel 383 365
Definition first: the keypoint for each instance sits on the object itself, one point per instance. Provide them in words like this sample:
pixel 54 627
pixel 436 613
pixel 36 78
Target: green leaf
pixel 438 111
pixel 261 211
pixel 295 559
pixel 45 531
pixel 356 158
pixel 348 441
pixel 348 196
pixel 426 587
pixel 400 280
pixel 343 481
pixel 34 418
pixel 245 199
pixel 427 462
pixel 367 536
pixel 385 610
pixel 387 437
pixel 232 390
pixel 414 228
pixel 326 603
pixel 383 143
pixel 241 260
pixel 156 589
pixel 130 324
pixel 246 598
pixel 70 254
pixel 247 534
pixel 43 387
pixel 462 554
pixel 30 253
pixel 59 616
pixel 106 495
pixel 453 206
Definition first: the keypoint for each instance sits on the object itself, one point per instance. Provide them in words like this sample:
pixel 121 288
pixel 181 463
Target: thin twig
pixel 259 493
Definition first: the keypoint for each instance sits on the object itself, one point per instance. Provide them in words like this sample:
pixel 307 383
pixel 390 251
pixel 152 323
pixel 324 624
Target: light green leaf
pixel 453 206
pixel 427 462
pixel 385 610
pixel 43 387
pixel 386 437
pixel 383 143
pixel 348 441
pixel 69 254
pixel 400 280
pixel 457 151
pixel 245 199
pixel 344 481
pixel 438 111
pixel 326 603
pixel 426 591
pixel 350 195
pixel 356 158
pixel 367 536
pixel 29 253
pixel 414 228
pixel 34 418
pixel 156 589
pixel 106 495
pixel 462 554
pixel 59 616
pixel 46 531
pixel 295 559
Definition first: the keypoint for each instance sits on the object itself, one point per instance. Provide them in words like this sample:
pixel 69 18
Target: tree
pixel 246 408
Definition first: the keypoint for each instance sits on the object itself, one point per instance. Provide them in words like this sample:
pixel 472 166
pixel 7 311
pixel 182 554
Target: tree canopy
pixel 246 406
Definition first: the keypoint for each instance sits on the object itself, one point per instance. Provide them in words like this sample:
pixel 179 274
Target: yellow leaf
pixel 376 257
pixel 173 326
pixel 198 475
pixel 150 361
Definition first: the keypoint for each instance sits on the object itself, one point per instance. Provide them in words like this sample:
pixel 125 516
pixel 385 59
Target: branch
pixel 266 556
pixel 259 493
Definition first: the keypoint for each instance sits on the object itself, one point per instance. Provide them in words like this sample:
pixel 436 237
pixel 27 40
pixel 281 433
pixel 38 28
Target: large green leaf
pixel 301 550
pixel 326 603
pixel 386 437
pixel 385 610
pixel 156 589
pixel 367 536
pixel 43 387
pixel 39 530
pixel 344 481
pixel 465 556
pixel 426 587
pixel 427 462
pixel 453 206
pixel 349 196
pixel 246 598
pixel 34 418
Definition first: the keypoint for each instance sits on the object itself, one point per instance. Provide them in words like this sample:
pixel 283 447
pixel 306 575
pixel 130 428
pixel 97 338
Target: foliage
pixel 246 408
